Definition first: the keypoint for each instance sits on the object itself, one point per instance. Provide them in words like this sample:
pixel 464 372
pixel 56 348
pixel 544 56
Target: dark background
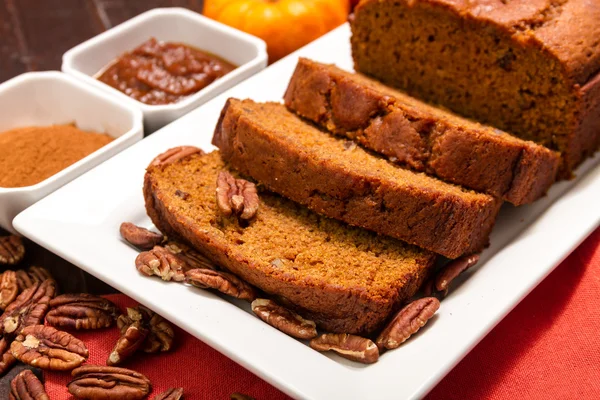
pixel 34 34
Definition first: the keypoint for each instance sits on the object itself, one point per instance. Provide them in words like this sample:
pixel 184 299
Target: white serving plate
pixel 248 52
pixel 80 222
pixel 50 98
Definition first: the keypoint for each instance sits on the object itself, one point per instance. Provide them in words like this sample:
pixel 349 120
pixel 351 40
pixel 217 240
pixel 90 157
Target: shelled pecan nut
pixel 283 319
pixel 224 282
pixel 160 332
pixel 161 335
pixel 108 383
pixel 81 311
pixel 170 394
pixel 429 290
pixel 175 154
pixel 12 250
pixel 48 348
pixel 236 196
pixel 352 347
pixel 453 269
pixel 9 288
pixel 24 280
pixel 29 308
pixel 39 274
pixel 191 257
pixel 161 262
pixel 130 341
pixel 6 358
pixel 139 237
pixel 407 322
pixel 27 386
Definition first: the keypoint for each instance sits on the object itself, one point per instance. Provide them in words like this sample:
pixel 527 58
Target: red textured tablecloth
pixel 547 347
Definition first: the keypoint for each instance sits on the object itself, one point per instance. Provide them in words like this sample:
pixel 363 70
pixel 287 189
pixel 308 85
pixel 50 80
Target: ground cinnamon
pixel 30 155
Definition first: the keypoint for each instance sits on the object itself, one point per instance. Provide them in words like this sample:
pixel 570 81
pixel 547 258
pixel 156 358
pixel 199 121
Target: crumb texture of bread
pixel 424 138
pixel 346 279
pixel 295 159
pixel 529 67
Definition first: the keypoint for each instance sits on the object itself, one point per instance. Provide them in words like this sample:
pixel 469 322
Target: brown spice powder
pixel 30 155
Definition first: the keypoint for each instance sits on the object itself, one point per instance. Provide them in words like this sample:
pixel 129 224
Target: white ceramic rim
pixel 136 114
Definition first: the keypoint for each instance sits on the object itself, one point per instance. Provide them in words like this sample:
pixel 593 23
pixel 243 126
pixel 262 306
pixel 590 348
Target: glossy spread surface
pixel 163 72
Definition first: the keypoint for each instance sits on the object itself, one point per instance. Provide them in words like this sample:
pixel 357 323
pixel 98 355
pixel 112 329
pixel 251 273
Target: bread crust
pixel 555 103
pixel 443 145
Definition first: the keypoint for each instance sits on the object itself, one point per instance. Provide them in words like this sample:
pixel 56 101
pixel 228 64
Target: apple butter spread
pixel 163 72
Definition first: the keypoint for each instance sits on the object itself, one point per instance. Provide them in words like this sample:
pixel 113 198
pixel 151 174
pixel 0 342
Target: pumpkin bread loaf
pixel 530 67
pixel 346 279
pixel 419 136
pixel 334 177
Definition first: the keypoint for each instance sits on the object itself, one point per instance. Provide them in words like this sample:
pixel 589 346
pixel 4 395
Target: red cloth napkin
pixel 548 347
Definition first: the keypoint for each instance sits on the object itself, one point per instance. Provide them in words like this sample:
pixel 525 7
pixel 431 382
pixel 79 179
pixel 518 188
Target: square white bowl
pixel 247 52
pixel 50 98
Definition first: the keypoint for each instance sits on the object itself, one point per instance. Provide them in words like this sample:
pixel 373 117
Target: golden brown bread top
pixel 569 30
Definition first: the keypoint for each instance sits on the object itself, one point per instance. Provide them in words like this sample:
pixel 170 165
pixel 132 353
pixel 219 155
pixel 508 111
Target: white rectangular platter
pixel 80 222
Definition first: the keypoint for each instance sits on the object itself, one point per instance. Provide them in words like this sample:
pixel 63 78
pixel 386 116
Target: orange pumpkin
pixel 286 25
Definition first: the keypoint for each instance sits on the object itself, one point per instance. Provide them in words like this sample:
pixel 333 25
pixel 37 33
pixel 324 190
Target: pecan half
pixel 407 322
pixel 160 331
pixel 175 154
pixel 47 348
pixel 29 308
pixel 283 319
pixel 161 262
pixel 39 274
pixel 9 288
pixel 170 394
pixel 161 334
pixel 139 237
pixel 27 386
pixel 26 279
pixel 193 259
pixel 12 250
pixel 236 196
pixel 453 269
pixel 352 347
pixel 130 341
pixel 81 311
pixel 108 383
pixel 6 358
pixel 224 282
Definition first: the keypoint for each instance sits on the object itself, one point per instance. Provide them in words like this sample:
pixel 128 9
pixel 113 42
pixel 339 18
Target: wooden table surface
pixel 34 34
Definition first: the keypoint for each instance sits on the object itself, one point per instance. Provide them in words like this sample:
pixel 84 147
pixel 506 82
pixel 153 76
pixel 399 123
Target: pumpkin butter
pixel 163 72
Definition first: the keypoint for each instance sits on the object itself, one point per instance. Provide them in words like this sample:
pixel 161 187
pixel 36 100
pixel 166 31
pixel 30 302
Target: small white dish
pixel 81 222
pixel 247 52
pixel 51 98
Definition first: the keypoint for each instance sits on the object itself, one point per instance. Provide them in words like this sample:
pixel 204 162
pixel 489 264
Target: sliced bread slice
pixel 346 279
pixel 420 136
pixel 334 177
